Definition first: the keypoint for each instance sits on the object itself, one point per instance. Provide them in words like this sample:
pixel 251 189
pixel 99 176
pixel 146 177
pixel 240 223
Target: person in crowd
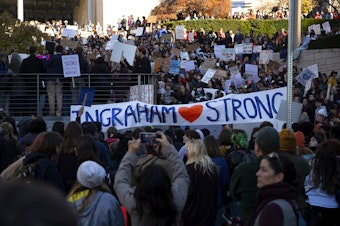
pixel 239 139
pixel 142 64
pixel 276 181
pixel 9 153
pixel 200 209
pixel 44 153
pixel 34 204
pixel 54 87
pixel 301 148
pixel 144 205
pixel 178 140
pixel 224 140
pixel 89 128
pixel 92 200
pixel 59 127
pixel 67 162
pixel 182 95
pixel 288 149
pixel 16 83
pixel 243 181
pixel 36 126
pixel 222 166
pixel 322 185
pixel 318 138
pixel 112 136
pixel 5 75
pixel 189 134
pixel 34 68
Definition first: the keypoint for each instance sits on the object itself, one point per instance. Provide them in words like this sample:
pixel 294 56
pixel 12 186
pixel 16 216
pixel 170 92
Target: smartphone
pixel 148 137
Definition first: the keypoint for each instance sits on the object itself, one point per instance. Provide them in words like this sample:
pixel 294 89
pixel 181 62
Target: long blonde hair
pixel 9 132
pixel 197 154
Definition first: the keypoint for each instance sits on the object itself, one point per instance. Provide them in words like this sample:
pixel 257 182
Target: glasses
pixel 275 155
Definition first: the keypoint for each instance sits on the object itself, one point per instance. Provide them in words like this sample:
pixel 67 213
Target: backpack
pixel 236 157
pixel 26 173
pixel 290 219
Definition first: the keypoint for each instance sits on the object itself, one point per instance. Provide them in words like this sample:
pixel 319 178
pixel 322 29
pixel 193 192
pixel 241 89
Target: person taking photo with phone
pixel 158 194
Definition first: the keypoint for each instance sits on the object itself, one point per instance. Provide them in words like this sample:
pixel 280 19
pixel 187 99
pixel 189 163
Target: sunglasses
pixel 275 155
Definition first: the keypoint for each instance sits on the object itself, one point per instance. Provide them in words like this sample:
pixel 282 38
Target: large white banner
pixel 230 109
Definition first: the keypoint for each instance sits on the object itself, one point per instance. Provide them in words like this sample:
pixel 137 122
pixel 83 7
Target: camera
pixel 148 137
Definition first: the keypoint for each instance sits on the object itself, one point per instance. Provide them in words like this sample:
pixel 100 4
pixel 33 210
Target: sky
pixel 116 9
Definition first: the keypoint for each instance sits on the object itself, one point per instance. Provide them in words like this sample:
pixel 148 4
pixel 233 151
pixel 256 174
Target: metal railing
pixel 26 94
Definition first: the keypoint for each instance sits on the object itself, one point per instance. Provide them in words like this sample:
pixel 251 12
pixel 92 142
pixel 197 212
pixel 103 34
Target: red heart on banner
pixel 191 113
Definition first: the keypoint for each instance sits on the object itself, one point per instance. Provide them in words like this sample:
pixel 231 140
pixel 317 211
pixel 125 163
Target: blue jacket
pixel 54 66
pixel 102 210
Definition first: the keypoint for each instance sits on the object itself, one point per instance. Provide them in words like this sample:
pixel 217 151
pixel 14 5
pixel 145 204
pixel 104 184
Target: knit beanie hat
pixel 300 139
pixel 287 140
pixel 90 174
pixel 268 139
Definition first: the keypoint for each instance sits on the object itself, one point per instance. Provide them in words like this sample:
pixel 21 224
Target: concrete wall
pixel 327 59
pixel 80 13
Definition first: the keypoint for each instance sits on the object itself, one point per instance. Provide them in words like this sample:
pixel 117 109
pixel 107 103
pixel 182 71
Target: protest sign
pixel 208 63
pixel 152 19
pixel 129 52
pixel 69 33
pixel 191 37
pixel 327 27
pixel 251 69
pixel 174 66
pixel 117 52
pixel 86 96
pixel 143 93
pixel 175 51
pixel 166 37
pixel 218 49
pixel 208 75
pixel 314 69
pixel 230 109
pixel 228 54
pixel 184 56
pixel 247 48
pixel 138 31
pixel 238 48
pixel 257 48
pixel 304 76
pixel 180 32
pixel 192 47
pixel 189 65
pixel 316 28
pixel 71 65
pixel 265 56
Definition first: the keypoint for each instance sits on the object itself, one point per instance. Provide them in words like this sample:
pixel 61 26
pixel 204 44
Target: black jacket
pixel 46 170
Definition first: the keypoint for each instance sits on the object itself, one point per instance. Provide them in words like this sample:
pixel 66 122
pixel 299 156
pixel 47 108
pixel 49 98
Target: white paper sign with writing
pixel 208 75
pixel 247 48
pixel 180 32
pixel 228 54
pixel 69 33
pixel 71 65
pixel 218 49
pixel 265 56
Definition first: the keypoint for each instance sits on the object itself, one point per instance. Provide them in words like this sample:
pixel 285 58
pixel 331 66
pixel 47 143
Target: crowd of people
pixel 153 55
pixel 185 176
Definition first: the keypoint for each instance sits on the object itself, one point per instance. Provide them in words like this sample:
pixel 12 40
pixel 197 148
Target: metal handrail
pixel 25 93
